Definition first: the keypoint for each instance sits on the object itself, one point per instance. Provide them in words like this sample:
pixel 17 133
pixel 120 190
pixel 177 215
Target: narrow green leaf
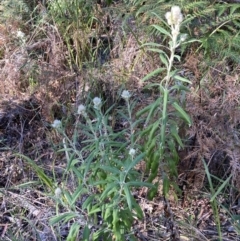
pixel 77 173
pixel 151 144
pixel 119 163
pixel 115 144
pixel 23 185
pixel 139 184
pixel 177 57
pixel 164 59
pixel 102 182
pixel 180 110
pixel 233 9
pixel 174 133
pixel 97 235
pixel 128 196
pixel 208 176
pixel 220 188
pixel 73 232
pixel 173 73
pixel 64 149
pixel 109 189
pixel 107 213
pixel 182 79
pixel 153 131
pixel 147 130
pixel 86 233
pixel 67 196
pixel 166 185
pixel 95 209
pixel 150 86
pixel 154 107
pixel 162 30
pixel 62 217
pixel 137 209
pixel 115 216
pixel 72 163
pixel 76 195
pixel 144 110
pixel 157 51
pixel 180 87
pixel 192 41
pixel 110 169
pixel 151 44
pixel 88 201
pixel 127 219
pixel 42 176
pixel 153 73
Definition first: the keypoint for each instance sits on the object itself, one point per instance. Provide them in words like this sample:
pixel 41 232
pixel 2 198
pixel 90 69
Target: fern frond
pixel 216 24
pixel 12 9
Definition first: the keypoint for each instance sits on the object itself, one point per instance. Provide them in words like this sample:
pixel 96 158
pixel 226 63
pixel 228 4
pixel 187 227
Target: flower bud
pixel 58 192
pixel 97 103
pixel 132 152
pixel 126 94
pixel 56 124
pixel 81 110
pixel 20 34
pixel 174 17
pixel 168 16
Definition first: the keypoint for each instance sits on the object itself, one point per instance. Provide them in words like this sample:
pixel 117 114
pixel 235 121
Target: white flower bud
pixel 132 152
pixel 81 110
pixel 97 103
pixel 168 16
pixel 126 94
pixel 20 34
pixel 176 14
pixel 56 124
pixel 174 17
pixel 58 192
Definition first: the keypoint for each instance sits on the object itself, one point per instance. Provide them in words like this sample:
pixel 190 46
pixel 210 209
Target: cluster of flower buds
pixel 97 103
pixel 174 19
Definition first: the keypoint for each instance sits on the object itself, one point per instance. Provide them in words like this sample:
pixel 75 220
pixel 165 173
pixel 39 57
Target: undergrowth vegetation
pixel 212 22
pixel 119 119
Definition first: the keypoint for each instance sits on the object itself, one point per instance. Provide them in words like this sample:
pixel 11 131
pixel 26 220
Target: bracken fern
pixel 215 24
pixel 12 9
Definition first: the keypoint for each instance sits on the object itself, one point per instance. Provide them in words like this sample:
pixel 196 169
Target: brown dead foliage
pixel 214 136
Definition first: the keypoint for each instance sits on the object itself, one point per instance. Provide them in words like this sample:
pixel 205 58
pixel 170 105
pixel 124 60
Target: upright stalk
pixel 174 19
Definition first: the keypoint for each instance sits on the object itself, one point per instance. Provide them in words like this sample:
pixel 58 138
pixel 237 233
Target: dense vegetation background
pixel 119 120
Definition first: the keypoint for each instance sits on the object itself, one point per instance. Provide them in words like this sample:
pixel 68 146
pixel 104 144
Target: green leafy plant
pixel 164 115
pixel 100 162
pixel 103 171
